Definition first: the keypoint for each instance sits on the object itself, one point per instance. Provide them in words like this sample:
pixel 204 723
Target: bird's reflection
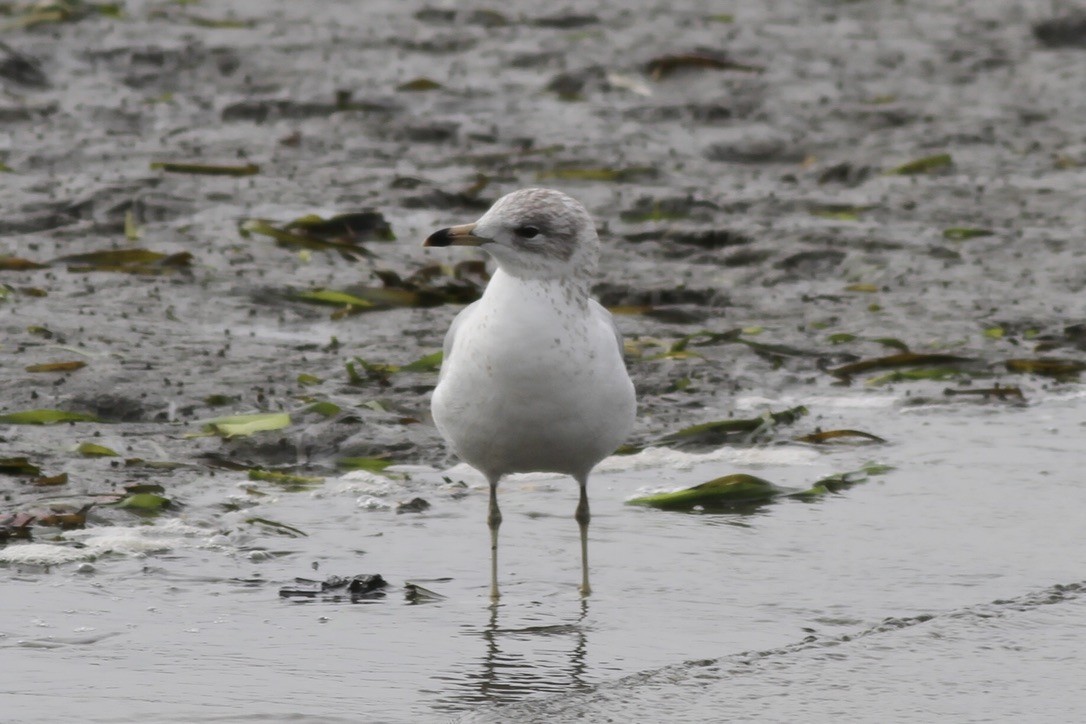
pixel 518 662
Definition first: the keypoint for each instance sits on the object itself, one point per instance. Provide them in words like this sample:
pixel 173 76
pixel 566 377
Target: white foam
pixel 44 554
pixel 463 471
pixel 663 457
pixel 866 400
pixel 124 540
pixel 369 502
pixel 359 482
pixel 166 530
pixel 844 400
pixel 409 470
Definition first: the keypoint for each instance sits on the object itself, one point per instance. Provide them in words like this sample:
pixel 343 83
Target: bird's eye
pixel 526 232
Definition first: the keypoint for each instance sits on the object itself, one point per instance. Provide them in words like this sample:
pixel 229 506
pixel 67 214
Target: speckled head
pixel 532 233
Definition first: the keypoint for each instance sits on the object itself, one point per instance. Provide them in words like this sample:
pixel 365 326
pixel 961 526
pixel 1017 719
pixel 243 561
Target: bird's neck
pixel 574 289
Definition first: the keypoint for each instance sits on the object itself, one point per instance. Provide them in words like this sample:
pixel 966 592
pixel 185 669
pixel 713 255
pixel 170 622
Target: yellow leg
pixel 583 516
pixel 494 520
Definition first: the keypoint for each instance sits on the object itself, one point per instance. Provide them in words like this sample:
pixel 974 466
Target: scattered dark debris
pixel 962 233
pixel 21 69
pixel 838 212
pixel 26 114
pixel 271 109
pixel 117 407
pixel 430 286
pixel 415 505
pixel 945 254
pixel 146 504
pixel 697 112
pixel 434 132
pixel 486 18
pixel 365 583
pixel 208 22
pixel 846 173
pixel 69 366
pixel 819 437
pixel 698 238
pixel 38 220
pixel 573 85
pixel 895 361
pixel 1047 366
pixel 418 85
pixel 738 492
pixel 927 164
pixel 206 169
pixel 1068 31
pixel 381 372
pixel 18 466
pixel 714 434
pixel 648 208
pixel 741 493
pixel 64 519
pixel 45 417
pixel 45 481
pixel 756 145
pixel 839 482
pixel 32 14
pixel 289 481
pixel 94 450
pixel 667 65
pixel 344 233
pixel 446 44
pixel 622 295
pixel 813 263
pixel 999 392
pixel 350 228
pixel 434 284
pixel 365 586
pixel 128 261
pixel 15 263
pixel 747 257
pixel 439 16
pixel 565 21
pixel 415 593
pixel 445 200
pixel 16 526
pixel 1075 335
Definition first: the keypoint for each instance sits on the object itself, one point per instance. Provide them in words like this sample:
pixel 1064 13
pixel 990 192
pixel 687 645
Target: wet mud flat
pixel 792 200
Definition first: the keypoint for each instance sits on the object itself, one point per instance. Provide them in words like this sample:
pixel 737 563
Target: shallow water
pixel 798 610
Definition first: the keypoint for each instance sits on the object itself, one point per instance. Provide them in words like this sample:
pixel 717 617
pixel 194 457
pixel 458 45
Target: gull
pixel 533 377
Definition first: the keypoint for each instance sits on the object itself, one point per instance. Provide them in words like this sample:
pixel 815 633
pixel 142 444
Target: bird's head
pixel 532 234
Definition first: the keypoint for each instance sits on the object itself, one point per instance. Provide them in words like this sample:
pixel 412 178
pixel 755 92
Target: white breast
pixel 534 381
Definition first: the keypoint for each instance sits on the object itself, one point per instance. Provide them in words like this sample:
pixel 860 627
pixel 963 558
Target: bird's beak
pixel 462 235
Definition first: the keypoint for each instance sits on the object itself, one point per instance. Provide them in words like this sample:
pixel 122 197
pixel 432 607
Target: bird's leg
pixel 583 516
pixel 494 520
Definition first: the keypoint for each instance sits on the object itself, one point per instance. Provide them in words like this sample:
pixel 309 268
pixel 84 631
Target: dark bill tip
pixel 454 236
pixel 441 237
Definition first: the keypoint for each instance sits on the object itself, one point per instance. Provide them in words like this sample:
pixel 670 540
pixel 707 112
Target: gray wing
pixel 602 314
pixel 450 336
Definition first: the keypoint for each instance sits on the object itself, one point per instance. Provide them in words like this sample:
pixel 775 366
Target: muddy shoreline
pixel 745 191
pixel 727 198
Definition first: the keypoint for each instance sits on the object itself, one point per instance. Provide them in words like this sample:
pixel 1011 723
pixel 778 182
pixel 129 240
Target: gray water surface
pixel 949 587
